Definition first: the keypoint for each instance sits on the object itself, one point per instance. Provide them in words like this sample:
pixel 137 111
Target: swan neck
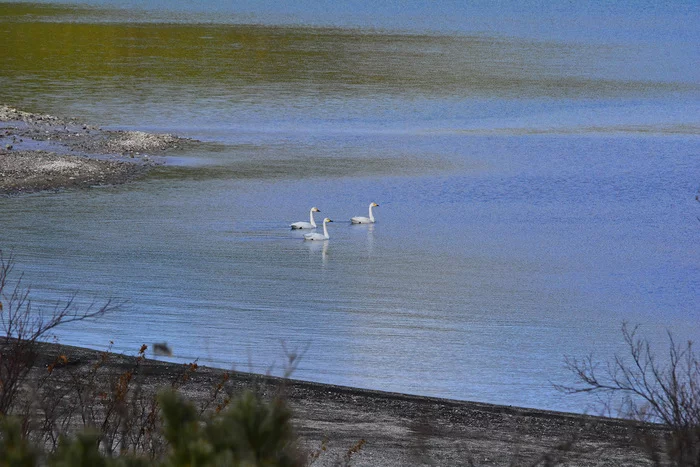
pixel 371 216
pixel 311 218
pixel 325 229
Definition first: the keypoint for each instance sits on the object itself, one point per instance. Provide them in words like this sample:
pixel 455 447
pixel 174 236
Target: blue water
pixel 536 168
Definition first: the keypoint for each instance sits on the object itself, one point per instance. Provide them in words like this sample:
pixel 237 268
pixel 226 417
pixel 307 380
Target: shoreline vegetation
pixel 41 152
pixel 336 424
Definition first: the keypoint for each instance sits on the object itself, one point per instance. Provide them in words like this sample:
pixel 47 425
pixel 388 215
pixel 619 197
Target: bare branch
pixel 649 391
pixel 24 326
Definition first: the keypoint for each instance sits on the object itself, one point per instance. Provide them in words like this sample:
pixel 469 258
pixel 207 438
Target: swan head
pixel 374 205
pixel 315 209
pixel 327 220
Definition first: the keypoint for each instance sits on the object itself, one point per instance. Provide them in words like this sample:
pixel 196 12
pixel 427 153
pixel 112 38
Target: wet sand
pixel 43 152
pixel 398 429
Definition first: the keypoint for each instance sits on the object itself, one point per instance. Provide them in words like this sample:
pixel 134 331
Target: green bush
pixel 250 432
pixel 15 450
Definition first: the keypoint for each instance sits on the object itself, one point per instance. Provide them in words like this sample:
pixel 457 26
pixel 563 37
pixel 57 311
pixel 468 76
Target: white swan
pixel 365 220
pixel 318 236
pixel 306 225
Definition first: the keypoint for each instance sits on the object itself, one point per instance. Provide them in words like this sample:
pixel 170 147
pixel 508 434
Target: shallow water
pixel 536 191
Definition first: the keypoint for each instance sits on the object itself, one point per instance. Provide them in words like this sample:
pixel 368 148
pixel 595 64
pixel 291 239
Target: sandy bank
pixel 43 152
pixel 398 429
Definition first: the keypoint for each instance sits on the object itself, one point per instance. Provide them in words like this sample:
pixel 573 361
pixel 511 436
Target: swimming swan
pixel 318 236
pixel 306 225
pixel 365 220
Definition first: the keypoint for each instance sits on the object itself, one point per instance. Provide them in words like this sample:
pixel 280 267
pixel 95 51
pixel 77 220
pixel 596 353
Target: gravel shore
pixel 43 152
pixel 397 429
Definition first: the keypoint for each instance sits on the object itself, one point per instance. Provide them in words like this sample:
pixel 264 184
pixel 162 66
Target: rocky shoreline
pixel 385 429
pixel 43 152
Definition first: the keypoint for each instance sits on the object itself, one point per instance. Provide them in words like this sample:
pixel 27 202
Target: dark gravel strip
pixel 398 429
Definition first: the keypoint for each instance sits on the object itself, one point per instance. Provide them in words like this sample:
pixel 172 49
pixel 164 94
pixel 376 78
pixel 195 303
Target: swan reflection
pixel 316 248
pixel 370 239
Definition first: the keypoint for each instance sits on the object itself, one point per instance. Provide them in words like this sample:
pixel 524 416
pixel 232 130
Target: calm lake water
pixel 536 171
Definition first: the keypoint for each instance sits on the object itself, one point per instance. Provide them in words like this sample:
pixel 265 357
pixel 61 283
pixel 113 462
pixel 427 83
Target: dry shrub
pixel 642 387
